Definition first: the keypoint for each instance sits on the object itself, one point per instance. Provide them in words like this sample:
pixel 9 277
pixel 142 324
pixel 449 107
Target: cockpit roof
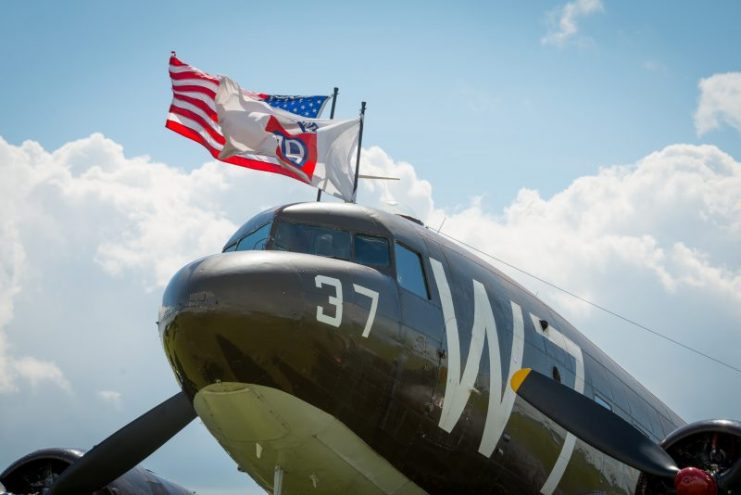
pixel 345 216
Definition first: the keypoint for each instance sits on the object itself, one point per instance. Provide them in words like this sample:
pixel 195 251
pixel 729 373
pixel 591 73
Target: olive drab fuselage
pixel 421 376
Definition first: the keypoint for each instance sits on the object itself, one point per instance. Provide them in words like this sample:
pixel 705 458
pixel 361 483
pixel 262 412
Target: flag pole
pixel 334 102
pixel 335 92
pixel 357 161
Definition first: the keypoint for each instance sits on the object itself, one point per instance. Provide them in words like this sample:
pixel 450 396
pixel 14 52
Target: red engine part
pixel 695 481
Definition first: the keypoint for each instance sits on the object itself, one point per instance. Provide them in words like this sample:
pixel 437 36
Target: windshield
pixel 311 239
pixel 254 223
pixel 329 242
pixel 332 243
pixel 255 240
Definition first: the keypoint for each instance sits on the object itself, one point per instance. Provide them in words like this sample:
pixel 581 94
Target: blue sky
pixel 445 85
pixel 494 121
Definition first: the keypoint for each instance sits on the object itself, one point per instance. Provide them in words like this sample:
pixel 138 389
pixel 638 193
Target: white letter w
pixel 458 388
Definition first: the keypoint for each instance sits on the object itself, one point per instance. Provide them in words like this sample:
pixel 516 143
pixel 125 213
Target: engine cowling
pixel 37 471
pixel 713 446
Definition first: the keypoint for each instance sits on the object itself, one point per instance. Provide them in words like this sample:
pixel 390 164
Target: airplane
pixel 335 348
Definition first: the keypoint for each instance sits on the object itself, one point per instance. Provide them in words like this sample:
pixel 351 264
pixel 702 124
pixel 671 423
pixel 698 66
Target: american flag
pixel 306 106
pixel 193 114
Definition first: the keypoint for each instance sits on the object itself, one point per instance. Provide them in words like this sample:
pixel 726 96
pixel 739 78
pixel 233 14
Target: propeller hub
pixel 694 481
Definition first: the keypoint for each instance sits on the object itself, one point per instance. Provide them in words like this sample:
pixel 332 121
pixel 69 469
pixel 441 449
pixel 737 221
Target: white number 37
pixel 336 300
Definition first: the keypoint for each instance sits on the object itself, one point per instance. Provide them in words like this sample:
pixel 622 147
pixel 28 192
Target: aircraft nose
pixel 225 316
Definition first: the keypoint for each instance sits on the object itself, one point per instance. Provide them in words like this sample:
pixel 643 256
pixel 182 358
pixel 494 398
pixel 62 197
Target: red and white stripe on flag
pixel 193 115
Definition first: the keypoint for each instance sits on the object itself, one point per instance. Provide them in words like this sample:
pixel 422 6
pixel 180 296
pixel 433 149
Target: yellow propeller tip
pixel 519 377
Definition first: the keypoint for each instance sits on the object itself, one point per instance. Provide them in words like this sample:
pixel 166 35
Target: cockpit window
pixel 409 272
pixel 371 250
pixel 311 239
pixel 255 240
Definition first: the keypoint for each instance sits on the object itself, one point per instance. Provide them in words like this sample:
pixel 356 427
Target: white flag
pixel 318 151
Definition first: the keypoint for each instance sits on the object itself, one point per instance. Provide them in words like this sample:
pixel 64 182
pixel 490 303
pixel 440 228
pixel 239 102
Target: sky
pixel 593 143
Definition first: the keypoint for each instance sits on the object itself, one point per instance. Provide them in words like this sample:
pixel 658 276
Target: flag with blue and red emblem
pixel 319 152
pixel 193 113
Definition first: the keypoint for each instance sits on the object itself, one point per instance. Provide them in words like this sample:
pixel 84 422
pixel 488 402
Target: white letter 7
pixel 373 296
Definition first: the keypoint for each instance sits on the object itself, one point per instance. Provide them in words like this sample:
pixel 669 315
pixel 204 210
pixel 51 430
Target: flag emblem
pixel 298 150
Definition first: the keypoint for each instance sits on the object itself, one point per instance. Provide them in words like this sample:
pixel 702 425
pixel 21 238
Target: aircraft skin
pixel 352 383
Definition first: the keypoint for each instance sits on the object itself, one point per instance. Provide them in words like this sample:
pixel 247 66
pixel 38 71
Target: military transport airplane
pixel 333 348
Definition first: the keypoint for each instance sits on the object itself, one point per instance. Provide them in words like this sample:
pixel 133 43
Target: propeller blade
pixel 594 424
pixel 126 448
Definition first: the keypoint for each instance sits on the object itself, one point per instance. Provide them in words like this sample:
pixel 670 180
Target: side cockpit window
pixel 409 272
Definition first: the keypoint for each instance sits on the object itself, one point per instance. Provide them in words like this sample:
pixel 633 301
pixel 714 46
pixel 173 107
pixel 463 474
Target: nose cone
pixel 225 317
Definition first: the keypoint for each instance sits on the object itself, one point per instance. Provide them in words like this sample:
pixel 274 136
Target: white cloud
pixel 36 371
pixel 84 231
pixel 564 21
pixel 16 184
pixel 132 216
pixel 409 195
pixel 656 241
pixel 675 216
pixel 720 102
pixel 86 228
pixel 111 397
